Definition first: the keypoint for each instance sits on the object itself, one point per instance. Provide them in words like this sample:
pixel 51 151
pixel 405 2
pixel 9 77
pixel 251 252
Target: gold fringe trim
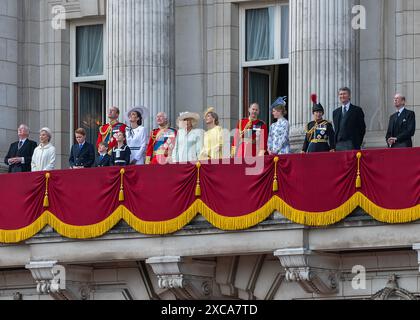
pixel 221 222
pixel 161 228
pixel 237 223
pixel 391 216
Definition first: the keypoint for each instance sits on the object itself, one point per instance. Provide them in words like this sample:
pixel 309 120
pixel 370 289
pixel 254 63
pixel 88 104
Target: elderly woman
pixel 189 140
pixel 136 135
pixel 43 158
pixel 278 138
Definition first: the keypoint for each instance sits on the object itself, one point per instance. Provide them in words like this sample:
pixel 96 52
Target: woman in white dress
pixel 189 140
pixel 136 135
pixel 43 158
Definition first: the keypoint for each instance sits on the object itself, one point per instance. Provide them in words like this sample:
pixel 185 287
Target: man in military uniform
pixel 161 142
pixel 320 136
pixel 107 132
pixel 251 135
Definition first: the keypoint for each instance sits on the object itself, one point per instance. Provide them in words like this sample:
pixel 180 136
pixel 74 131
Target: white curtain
pixel 285 32
pixel 260 34
pixel 89 50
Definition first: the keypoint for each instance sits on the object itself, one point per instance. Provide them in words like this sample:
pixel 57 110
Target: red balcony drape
pixel 313 189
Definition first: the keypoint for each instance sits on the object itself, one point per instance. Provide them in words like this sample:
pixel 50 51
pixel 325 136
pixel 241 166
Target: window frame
pixel 277 34
pixel 243 64
pixel 73 48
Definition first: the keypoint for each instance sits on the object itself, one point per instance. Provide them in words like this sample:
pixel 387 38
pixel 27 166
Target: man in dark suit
pixel 82 153
pixel 349 123
pixel 20 153
pixel 402 125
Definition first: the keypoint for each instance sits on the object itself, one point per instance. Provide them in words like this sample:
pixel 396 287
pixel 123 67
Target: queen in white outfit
pixel 43 158
pixel 136 135
pixel 189 140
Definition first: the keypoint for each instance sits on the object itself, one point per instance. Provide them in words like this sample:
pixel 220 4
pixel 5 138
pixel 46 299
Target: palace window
pixel 88 78
pixel 264 51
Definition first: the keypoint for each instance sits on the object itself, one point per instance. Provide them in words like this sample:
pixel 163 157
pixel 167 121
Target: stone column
pixel 141 47
pixel 324 56
pixel 8 75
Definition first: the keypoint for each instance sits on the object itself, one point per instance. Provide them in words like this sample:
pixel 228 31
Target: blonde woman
pixel 43 158
pixel 213 138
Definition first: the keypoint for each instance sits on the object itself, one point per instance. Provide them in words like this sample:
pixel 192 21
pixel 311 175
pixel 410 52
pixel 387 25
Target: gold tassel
pixel 46 201
pixel 358 179
pixel 198 187
pixel 275 182
pixel 121 197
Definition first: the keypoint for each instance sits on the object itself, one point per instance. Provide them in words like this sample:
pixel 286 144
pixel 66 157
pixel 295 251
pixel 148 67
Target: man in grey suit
pixel 402 125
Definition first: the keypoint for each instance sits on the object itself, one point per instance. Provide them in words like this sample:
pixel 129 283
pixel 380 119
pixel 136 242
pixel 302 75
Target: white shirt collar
pixel 347 106
pixel 401 110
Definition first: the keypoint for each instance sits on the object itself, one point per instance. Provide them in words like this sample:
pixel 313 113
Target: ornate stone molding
pixel 314 272
pixel 187 279
pixel 61 283
pixel 392 291
pixel 76 9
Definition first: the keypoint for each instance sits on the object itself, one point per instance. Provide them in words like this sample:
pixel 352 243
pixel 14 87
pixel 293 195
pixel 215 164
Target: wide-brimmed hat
pixel 195 117
pixel 142 110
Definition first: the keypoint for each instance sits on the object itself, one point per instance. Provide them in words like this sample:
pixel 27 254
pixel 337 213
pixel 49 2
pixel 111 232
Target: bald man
pixel 402 125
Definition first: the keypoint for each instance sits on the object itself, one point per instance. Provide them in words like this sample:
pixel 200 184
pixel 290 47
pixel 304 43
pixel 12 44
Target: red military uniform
pixel 107 132
pixel 161 143
pixel 250 138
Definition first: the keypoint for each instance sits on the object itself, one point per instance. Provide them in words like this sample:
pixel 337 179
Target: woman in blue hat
pixel 278 137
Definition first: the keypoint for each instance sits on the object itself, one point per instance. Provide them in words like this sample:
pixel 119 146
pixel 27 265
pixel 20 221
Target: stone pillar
pixel 8 75
pixel 324 56
pixel 141 47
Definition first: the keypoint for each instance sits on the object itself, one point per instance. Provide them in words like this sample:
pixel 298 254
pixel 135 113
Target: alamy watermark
pixel 58 21
pixel 360 19
pixel 359 280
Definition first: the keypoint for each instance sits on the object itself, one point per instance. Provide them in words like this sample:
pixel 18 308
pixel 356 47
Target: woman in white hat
pixel 136 134
pixel 43 158
pixel 189 140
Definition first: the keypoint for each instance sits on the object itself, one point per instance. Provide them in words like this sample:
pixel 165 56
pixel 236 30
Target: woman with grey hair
pixel 43 158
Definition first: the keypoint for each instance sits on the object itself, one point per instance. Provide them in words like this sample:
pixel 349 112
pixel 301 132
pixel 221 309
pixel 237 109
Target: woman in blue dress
pixel 278 137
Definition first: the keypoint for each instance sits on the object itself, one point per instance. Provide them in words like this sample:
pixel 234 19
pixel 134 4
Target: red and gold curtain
pixel 310 189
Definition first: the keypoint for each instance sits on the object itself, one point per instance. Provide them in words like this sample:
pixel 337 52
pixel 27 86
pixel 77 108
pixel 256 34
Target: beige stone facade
pixel 188 55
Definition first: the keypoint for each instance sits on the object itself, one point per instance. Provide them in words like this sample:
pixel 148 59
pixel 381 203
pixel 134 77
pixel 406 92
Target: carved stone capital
pixel 314 272
pixel 60 282
pixel 187 279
